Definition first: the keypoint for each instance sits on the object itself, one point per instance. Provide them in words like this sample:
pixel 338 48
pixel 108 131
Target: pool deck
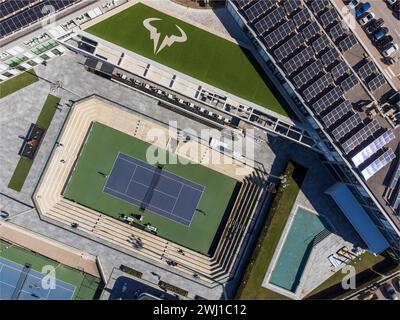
pixel 312 198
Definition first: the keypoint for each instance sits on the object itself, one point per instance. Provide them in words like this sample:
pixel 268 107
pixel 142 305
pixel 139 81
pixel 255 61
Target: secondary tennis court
pixel 151 187
pixel 19 282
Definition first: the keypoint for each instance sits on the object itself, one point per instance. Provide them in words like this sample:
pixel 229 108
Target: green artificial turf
pixel 18 82
pixel 86 285
pixel 20 174
pixel 48 111
pixel 102 148
pixel 204 56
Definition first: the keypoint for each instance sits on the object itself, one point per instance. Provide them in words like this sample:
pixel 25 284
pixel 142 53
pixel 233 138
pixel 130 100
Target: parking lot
pixel 381 10
pixel 378 292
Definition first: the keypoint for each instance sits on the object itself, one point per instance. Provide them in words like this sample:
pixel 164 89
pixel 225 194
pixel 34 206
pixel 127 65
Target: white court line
pixel 179 194
pixel 171 173
pixel 34 273
pixel 163 211
pixel 130 179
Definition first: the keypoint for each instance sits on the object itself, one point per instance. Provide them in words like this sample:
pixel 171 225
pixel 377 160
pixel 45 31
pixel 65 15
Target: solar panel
pixel 241 4
pixel 270 20
pixel 360 136
pixel 36 12
pixel 340 69
pixel 292 6
pixel 256 10
pixel 395 178
pixel 338 30
pixel 321 43
pixel 329 17
pixel 377 82
pixel 318 6
pixel 347 43
pixel 308 73
pixel 367 70
pixel 281 33
pixel 318 86
pixel 288 47
pixel 311 30
pixel 378 164
pixel 337 113
pixel 373 148
pixel 11 7
pixel 299 60
pixel 330 57
pixel 327 100
pixel 349 83
pixel 302 17
pixel 348 125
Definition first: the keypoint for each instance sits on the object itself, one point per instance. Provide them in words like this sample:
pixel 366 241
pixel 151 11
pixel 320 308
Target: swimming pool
pixel 296 249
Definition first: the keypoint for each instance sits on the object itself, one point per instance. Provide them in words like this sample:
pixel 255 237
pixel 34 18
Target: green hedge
pixel 171 287
pixel 131 271
pixel 20 173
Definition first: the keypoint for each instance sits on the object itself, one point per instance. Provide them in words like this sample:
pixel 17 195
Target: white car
pixel 353 4
pixel 367 18
pixel 389 51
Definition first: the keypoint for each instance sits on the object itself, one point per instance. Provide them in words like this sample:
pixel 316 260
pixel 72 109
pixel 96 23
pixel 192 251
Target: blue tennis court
pixel 20 283
pixel 153 188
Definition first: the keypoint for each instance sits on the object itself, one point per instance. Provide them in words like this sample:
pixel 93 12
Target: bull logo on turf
pixel 155 35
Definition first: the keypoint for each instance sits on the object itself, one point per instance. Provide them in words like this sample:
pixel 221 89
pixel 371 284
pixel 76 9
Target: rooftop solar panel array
pixel 308 73
pixel 337 113
pixel 302 17
pixel 367 70
pixel 347 43
pixel 337 31
pixel 31 15
pixel 311 30
pixel 299 60
pixel 244 3
pixel 330 57
pixel 349 83
pixel 360 136
pixel 290 46
pixel 321 43
pixel 318 6
pixel 257 9
pixel 279 34
pixel 343 129
pixel 318 86
pixel 395 177
pixel 10 6
pixel 377 82
pixel 373 148
pixel 327 100
pixel 292 6
pixel 270 20
pixel 329 17
pixel 340 69
pixel 378 164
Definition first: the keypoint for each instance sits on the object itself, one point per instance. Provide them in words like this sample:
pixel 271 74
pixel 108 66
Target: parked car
pixel 362 9
pixel 383 42
pixel 4 214
pixel 390 292
pixel 368 295
pixel 396 9
pixel 396 284
pixel 387 52
pixel 378 34
pixel 391 2
pixel 366 18
pixel 374 25
pixel 353 4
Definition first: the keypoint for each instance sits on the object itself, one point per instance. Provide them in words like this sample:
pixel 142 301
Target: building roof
pixel 360 220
